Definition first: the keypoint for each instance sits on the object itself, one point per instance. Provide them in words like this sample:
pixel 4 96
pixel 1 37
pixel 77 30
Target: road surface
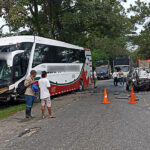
pixel 86 124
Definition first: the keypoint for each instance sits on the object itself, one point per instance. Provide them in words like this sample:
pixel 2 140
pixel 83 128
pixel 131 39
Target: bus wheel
pixel 81 88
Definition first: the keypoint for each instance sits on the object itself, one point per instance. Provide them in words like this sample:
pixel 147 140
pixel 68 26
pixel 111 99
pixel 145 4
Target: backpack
pixel 21 88
pixel 34 87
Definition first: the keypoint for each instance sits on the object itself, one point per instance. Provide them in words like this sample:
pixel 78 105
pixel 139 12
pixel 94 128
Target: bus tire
pixel 81 87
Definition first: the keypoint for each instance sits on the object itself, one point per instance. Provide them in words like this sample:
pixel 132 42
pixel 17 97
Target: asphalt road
pixel 86 124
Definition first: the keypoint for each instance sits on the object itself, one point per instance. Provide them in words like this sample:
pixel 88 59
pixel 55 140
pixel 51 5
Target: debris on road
pixel 29 132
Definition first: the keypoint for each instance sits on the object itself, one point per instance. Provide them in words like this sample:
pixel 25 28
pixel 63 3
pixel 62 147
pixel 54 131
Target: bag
pixel 21 88
pixel 34 87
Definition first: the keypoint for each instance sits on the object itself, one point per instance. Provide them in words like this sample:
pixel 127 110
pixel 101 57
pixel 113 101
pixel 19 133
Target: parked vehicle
pixel 144 63
pixel 103 72
pixel 69 67
pixel 139 79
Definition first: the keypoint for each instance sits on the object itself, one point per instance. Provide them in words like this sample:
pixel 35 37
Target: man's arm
pixel 28 82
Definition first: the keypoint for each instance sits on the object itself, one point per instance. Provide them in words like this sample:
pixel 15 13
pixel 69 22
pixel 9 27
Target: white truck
pixel 123 64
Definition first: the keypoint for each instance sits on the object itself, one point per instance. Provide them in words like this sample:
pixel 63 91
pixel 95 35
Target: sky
pixel 126 5
pixel 132 2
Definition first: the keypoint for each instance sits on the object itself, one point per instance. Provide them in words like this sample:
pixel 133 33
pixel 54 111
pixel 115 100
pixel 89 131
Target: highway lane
pixel 86 124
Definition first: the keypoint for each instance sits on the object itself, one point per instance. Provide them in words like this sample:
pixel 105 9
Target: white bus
pixel 69 67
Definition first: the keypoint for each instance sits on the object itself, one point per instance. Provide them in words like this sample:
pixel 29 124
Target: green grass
pixel 6 112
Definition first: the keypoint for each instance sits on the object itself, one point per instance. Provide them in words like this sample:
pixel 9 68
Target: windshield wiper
pixel 3 80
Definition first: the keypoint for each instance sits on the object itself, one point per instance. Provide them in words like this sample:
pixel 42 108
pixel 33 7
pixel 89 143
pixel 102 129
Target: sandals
pixel 43 117
pixel 52 117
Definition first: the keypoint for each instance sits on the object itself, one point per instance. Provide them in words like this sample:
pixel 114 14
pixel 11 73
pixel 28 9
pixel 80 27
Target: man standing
pixel 29 93
pixel 115 76
pixel 94 77
pixel 121 75
pixel 44 85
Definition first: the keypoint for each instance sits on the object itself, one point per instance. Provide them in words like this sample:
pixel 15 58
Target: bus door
pixel 20 65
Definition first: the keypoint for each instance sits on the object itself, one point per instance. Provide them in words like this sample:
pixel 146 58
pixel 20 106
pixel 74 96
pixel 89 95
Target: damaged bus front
pixel 5 76
pixel 14 61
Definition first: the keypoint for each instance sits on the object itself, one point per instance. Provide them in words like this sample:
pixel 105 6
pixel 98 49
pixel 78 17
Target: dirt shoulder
pixel 13 124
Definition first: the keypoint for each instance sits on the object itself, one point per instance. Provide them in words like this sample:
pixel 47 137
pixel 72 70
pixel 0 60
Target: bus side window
pixel 55 54
pixel 38 55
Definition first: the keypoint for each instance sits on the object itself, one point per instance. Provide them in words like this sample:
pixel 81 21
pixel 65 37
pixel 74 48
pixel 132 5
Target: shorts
pixel 46 101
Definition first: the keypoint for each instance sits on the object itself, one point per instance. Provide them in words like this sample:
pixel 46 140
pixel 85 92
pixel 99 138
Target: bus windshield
pixel 26 46
pixel 124 68
pixel 102 69
pixel 5 71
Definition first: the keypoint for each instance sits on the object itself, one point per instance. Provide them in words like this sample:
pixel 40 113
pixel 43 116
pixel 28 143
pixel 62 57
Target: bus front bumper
pixel 5 94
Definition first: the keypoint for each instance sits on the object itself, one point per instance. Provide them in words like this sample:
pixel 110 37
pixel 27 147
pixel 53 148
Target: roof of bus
pixel 29 38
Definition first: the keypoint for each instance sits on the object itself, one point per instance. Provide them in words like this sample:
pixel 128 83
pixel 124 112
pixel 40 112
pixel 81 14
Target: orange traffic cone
pixel 105 99
pixel 132 97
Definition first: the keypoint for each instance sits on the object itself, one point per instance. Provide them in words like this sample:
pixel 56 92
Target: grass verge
pixel 6 112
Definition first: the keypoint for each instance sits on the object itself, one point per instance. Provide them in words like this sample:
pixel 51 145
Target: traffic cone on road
pixel 105 98
pixel 132 97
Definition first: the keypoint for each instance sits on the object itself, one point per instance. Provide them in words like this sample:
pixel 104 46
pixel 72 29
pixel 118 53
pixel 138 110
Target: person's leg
pixel 50 112
pixel 48 102
pixel 123 80
pixel 33 98
pixel 43 108
pixel 28 106
pixel 116 81
pixel 43 111
pixel 32 102
pixel 120 81
pixel 94 82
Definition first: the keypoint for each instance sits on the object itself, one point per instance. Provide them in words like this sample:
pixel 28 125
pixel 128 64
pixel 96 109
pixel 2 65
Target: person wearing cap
pixel 44 86
pixel 29 93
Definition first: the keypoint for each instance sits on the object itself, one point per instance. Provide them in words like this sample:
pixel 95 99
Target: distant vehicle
pixel 69 67
pixel 139 79
pixel 144 63
pixel 103 72
pixel 123 64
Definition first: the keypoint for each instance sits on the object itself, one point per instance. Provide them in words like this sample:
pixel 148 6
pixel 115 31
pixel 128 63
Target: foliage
pixel 98 55
pixel 142 13
pixel 98 25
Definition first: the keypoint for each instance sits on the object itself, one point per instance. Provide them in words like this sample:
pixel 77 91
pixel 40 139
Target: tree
pixel 142 13
pixel 98 25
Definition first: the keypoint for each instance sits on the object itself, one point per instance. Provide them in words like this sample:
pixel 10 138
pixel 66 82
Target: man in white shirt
pixel 94 77
pixel 115 76
pixel 44 85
